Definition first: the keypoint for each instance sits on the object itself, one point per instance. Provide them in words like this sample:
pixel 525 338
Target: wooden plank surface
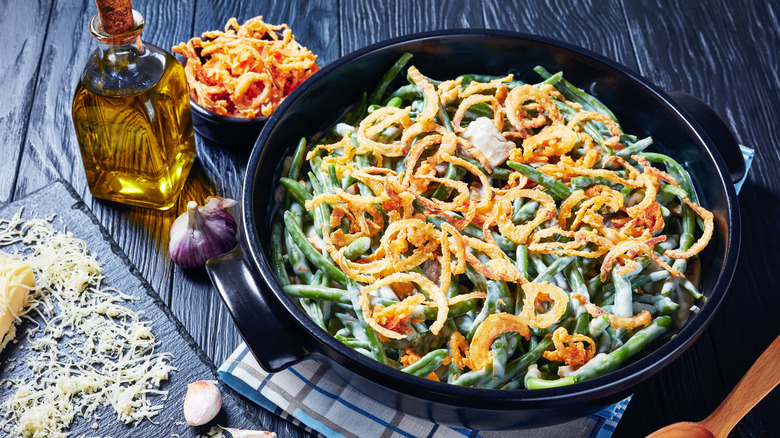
pixel 727 54
pixel 725 57
pixel 21 57
pixel 594 25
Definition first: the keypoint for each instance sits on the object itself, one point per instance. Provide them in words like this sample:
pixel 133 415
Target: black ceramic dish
pixel 233 132
pixel 279 334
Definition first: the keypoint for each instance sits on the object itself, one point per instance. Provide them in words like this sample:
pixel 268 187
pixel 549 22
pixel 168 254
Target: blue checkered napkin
pixel 748 154
pixel 312 397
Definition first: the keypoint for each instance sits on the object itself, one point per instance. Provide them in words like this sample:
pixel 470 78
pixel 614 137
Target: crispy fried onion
pixel 429 91
pixel 709 227
pixel 353 207
pixel 400 234
pixel 493 326
pixel 498 115
pixel 660 174
pixel 568 205
pixel 410 356
pixel 574 247
pixel 446 140
pixel 599 197
pixel 593 116
pixel 563 170
pixel 499 267
pixel 542 103
pixel 535 295
pixel 553 140
pixel 641 319
pixel 374 124
pixel 651 184
pixel 459 350
pixel 394 316
pixel 478 87
pixel 449 90
pixel 503 213
pixel 570 348
pixel 433 291
pixel 462 202
pixel 625 252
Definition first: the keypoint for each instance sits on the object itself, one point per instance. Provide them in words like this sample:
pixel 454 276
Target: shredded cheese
pixel 90 350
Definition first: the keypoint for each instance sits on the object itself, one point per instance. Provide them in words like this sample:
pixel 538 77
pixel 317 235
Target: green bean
pixel 337 295
pixel 321 213
pixel 635 148
pixel 297 160
pixel 468 78
pixel 357 248
pixel 494 293
pixel 576 282
pixel 407 93
pixel 575 94
pixel 622 306
pixel 641 280
pixel 477 278
pixel 354 343
pixel 356 112
pixel 277 260
pixel 496 172
pixel 500 355
pixel 601 364
pixel 676 170
pixel 556 267
pixel 377 349
pixel 472 230
pixel 318 293
pixel 518 367
pixel 296 190
pixel 526 212
pixel 556 188
pixel 476 378
pixel 453 172
pixel 426 364
pixel 581 323
pixel 379 91
pixel 533 380
pixel 311 253
pixel 334 179
pixel 300 266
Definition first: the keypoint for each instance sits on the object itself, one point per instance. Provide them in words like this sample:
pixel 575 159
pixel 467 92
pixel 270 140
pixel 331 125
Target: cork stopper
pixel 116 16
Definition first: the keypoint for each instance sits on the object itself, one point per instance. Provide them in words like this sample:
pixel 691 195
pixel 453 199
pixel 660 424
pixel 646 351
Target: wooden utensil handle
pixel 760 379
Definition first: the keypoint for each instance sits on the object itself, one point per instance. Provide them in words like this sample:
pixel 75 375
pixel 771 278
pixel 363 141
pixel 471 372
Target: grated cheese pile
pixel 90 350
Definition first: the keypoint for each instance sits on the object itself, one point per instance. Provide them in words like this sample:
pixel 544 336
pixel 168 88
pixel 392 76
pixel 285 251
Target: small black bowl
pixel 233 132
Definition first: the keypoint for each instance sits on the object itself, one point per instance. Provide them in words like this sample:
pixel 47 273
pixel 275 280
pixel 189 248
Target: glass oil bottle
pixel 131 112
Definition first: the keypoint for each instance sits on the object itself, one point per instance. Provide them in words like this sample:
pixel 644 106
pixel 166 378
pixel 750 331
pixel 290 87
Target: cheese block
pixel 16 281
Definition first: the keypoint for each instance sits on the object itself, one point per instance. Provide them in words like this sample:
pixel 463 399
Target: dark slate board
pixel 74 215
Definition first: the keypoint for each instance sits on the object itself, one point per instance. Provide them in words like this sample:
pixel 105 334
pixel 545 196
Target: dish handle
pixel 253 312
pixel 716 130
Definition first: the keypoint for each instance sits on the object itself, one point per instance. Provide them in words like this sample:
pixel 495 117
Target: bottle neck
pixel 122 65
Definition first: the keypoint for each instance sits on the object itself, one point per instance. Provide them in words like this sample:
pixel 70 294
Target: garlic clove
pixel 239 433
pixel 202 402
pixel 201 233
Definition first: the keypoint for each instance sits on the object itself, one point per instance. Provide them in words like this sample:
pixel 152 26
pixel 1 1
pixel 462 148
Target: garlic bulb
pixel 201 233
pixel 202 402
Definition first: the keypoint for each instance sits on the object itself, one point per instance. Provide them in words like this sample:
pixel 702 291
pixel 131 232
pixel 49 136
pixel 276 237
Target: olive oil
pixel 137 149
pixel 131 113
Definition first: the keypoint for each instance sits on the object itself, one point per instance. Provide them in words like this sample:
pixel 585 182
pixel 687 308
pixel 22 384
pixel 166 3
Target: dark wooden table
pixel 725 52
